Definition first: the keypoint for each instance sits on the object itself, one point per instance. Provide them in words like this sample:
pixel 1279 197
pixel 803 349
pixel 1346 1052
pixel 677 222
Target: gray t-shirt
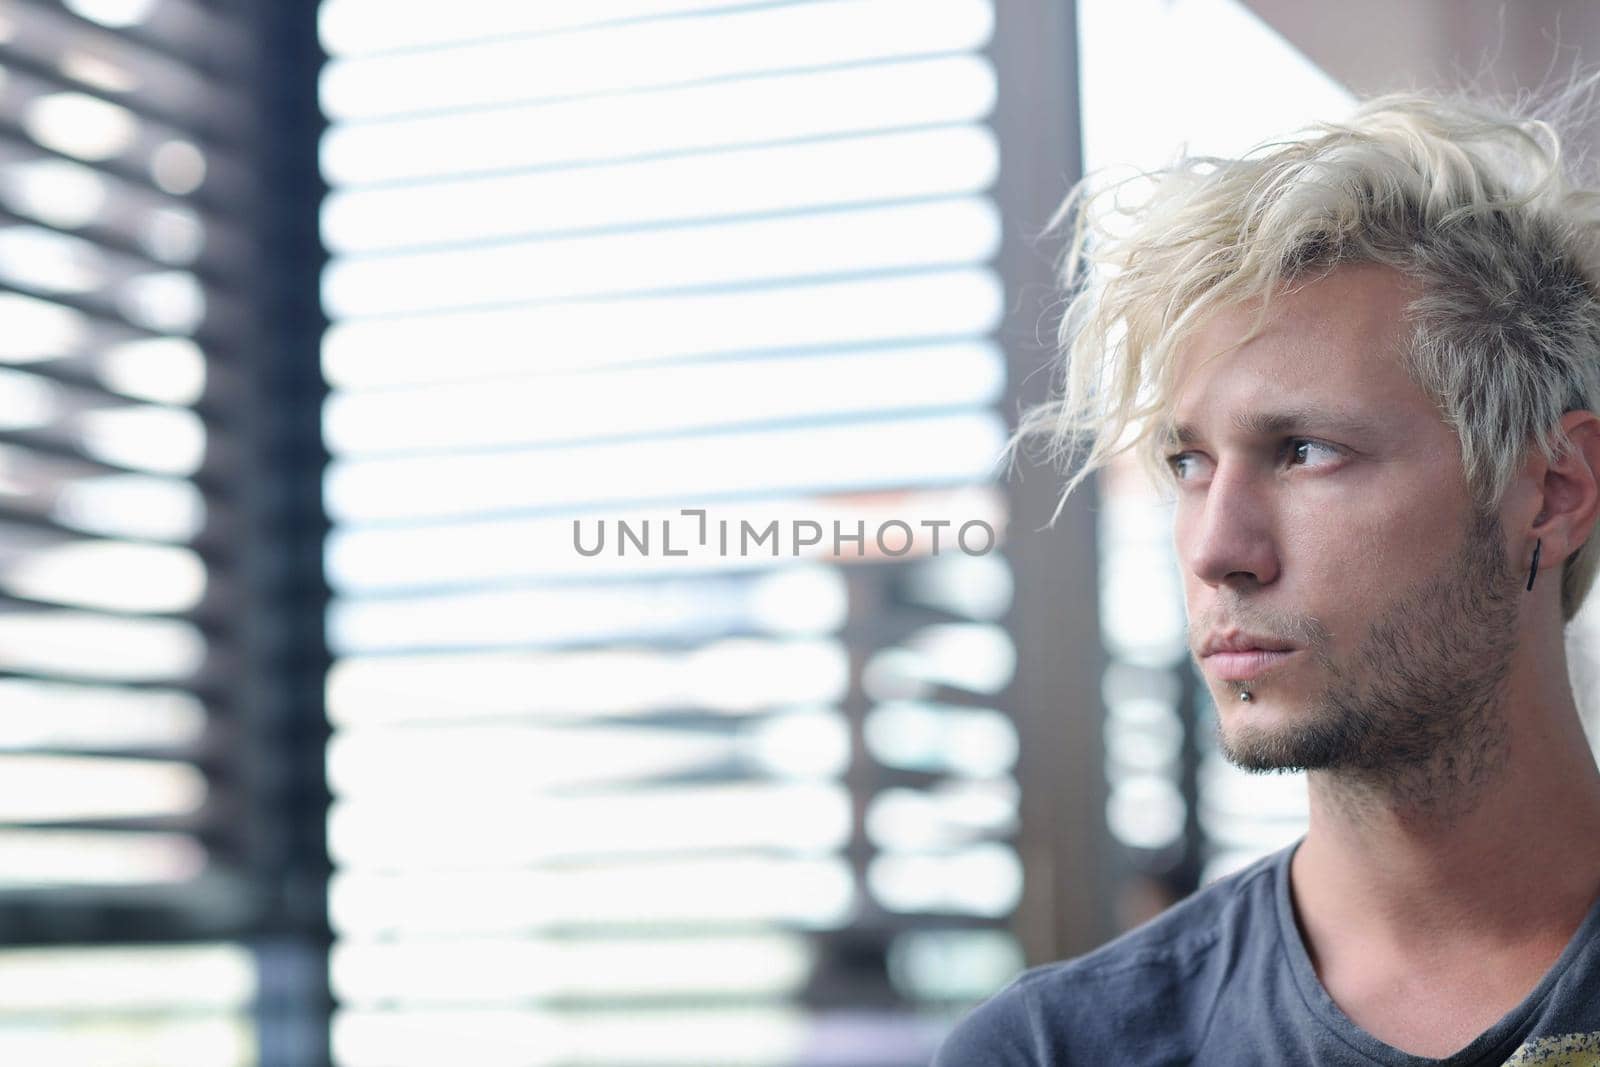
pixel 1223 978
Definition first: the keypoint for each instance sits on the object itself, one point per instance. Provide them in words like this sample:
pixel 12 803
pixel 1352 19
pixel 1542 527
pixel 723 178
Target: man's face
pixel 1322 514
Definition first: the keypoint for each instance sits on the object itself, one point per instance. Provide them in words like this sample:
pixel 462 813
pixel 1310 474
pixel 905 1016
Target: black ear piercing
pixel 1533 570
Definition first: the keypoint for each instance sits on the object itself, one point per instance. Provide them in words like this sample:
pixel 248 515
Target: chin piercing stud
pixel 1244 695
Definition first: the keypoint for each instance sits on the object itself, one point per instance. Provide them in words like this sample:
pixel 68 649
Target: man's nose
pixel 1227 538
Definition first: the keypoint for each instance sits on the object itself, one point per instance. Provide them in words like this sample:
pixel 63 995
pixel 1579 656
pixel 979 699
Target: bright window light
pixel 78 644
pixel 359 26
pixel 42 714
pixel 977 657
pixel 913 820
pixel 27 401
pixel 54 191
pixel 509 825
pixel 110 575
pixel 656 52
pixel 38 330
pixel 166 301
pixel 922 736
pixel 808 891
pixel 1131 118
pixel 129 505
pixel 132 978
pixel 812 743
pixel 908 451
pixel 725 677
pixel 201 1040
pixel 599 333
pixel 1146 811
pixel 118 14
pixel 160 440
pixel 35 788
pixel 41 858
pixel 557 407
pixel 36 258
pixel 954 965
pixel 164 370
pixel 173 235
pixel 811 174
pixel 784 116
pixel 977 587
pixel 940 233
pixel 669 1037
pixel 982 880
pixel 370 762
pixel 81 126
pixel 499 970
pixel 797 743
pixel 798 601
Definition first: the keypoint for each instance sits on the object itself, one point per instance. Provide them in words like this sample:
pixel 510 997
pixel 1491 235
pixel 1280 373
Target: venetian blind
pixel 593 266
pixel 122 252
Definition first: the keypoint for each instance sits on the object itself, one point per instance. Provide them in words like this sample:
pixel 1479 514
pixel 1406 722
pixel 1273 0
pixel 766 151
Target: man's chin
pixel 1262 759
pixel 1264 747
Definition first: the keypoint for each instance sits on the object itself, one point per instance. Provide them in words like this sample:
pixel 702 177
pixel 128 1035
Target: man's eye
pixel 1180 463
pixel 1301 451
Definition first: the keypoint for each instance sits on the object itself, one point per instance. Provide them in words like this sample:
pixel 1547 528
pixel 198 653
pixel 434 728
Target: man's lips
pixel 1244 665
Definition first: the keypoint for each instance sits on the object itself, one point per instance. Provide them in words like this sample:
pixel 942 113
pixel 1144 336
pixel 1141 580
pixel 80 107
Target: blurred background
pixel 326 330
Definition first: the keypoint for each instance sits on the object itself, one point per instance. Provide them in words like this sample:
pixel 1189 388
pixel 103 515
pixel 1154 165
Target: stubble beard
pixel 1414 719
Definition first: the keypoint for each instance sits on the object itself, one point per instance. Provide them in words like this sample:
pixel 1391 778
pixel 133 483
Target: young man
pixel 1367 362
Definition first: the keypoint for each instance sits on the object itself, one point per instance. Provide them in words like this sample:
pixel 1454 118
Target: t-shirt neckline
pixel 1501 1038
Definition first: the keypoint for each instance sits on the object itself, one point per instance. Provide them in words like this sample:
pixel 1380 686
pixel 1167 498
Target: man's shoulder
pixel 1187 929
pixel 1065 1012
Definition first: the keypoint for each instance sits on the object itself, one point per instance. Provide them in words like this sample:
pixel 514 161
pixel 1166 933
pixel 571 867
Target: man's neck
pixel 1427 922
pixel 1510 857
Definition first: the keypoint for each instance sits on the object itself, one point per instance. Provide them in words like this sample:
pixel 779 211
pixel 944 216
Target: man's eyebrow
pixel 1273 423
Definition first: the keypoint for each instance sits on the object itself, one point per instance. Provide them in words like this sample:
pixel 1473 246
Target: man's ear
pixel 1569 490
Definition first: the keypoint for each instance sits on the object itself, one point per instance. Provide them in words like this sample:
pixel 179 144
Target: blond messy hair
pixel 1474 202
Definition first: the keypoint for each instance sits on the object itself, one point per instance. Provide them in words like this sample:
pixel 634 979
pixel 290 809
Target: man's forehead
pixel 1278 420
pixel 1329 356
